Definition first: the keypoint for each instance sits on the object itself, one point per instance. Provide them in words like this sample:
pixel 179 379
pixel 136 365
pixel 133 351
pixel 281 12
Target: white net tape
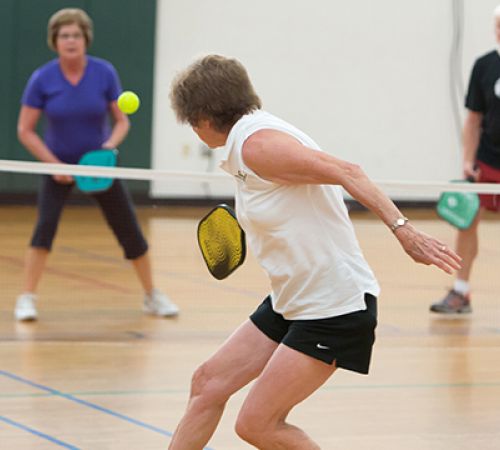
pixel 167 182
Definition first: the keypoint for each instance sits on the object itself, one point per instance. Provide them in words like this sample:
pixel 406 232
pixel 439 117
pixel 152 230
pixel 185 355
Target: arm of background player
pixel 27 135
pixel 470 136
pixel 121 125
pixel 280 158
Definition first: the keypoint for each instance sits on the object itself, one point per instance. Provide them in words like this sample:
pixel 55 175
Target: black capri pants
pixel 115 203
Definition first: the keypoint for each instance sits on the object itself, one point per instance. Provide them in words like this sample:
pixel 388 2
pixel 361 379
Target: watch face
pixel 399 223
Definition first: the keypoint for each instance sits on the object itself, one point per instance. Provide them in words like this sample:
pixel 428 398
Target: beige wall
pixel 369 81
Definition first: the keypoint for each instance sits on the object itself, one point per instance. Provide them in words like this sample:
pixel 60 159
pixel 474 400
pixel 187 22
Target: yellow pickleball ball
pixel 128 102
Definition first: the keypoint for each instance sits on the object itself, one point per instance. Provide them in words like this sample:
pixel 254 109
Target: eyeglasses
pixel 66 37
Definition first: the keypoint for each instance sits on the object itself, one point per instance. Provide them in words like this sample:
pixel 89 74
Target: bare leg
pixel 36 259
pixel 142 266
pixel 240 360
pixel 288 379
pixel 467 247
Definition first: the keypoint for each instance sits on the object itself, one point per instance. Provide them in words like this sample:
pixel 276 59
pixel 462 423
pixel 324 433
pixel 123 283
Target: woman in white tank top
pixel 289 201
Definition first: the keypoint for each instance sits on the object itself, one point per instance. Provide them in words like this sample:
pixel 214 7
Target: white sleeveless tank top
pixel 300 235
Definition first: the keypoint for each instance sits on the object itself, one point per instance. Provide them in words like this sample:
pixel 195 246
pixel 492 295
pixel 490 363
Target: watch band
pixel 399 223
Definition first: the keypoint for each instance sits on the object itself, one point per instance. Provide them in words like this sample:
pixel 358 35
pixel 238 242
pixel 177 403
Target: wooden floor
pixel 94 373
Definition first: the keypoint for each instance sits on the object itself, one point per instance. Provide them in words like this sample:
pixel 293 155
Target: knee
pixel 136 251
pixel 209 387
pixel 249 429
pixel 46 226
pixel 133 243
pixel 44 233
pixel 245 431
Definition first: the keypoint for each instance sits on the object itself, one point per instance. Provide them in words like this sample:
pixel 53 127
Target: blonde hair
pixel 69 16
pixel 213 88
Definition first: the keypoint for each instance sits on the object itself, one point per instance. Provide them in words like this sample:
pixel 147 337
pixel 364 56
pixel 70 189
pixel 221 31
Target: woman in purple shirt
pixel 76 93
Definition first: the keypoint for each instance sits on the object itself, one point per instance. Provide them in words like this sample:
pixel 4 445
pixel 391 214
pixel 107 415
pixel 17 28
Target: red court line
pixel 71 276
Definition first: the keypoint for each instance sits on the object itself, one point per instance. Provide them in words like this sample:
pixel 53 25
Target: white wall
pixel 368 80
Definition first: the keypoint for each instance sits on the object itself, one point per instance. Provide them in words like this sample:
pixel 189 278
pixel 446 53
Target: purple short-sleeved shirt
pixel 76 116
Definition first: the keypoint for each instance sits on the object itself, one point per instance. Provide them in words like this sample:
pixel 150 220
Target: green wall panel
pixel 124 33
pixel 7 119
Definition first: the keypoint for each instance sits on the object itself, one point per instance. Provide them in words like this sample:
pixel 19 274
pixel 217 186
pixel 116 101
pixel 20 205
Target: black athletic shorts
pixel 347 339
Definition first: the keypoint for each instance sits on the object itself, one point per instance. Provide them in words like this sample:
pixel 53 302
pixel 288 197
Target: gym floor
pixel 94 373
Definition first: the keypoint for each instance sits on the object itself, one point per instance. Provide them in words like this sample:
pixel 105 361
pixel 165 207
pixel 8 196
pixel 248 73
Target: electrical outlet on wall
pixel 186 149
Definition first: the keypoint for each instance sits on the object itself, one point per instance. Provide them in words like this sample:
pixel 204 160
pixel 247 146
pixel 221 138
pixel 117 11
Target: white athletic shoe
pixel 159 305
pixel 25 308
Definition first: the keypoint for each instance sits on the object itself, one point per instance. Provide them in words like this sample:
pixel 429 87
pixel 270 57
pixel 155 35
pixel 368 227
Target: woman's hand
pixel 426 249
pixel 109 145
pixel 471 170
pixel 63 179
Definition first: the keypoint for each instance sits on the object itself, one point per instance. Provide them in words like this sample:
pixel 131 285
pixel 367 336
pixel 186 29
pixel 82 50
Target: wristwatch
pixel 399 223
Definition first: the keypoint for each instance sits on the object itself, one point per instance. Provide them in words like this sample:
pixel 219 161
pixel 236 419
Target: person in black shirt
pixel 481 141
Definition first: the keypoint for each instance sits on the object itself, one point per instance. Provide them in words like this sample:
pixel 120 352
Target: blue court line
pixel 90 405
pixel 89 393
pixel 39 434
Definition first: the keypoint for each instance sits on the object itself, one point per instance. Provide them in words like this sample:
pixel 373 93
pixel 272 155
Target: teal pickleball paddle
pixel 102 158
pixel 459 208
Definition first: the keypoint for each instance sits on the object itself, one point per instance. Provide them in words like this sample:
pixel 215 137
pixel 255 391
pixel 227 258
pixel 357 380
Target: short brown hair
pixel 69 16
pixel 213 88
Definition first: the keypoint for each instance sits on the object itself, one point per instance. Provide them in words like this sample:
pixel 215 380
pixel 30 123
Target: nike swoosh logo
pixel 323 347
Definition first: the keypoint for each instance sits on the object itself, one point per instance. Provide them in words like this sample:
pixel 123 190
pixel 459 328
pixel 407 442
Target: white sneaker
pixel 25 308
pixel 158 304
